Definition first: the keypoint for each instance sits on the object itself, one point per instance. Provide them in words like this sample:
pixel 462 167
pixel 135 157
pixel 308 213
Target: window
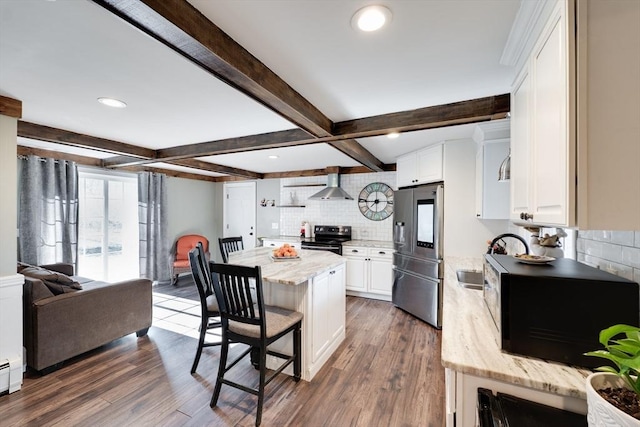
pixel 108 225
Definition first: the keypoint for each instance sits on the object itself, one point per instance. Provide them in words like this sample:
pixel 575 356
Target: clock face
pixel 376 201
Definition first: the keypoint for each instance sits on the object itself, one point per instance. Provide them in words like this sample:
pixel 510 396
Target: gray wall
pixel 195 207
pixel 9 194
pixel 268 189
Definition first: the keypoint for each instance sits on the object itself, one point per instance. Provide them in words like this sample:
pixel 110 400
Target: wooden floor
pixel 386 373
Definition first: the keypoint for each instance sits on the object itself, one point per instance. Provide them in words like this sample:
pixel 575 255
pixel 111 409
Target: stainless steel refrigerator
pixel 418 267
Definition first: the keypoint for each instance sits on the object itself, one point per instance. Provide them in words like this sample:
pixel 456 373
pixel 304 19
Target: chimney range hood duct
pixel 333 190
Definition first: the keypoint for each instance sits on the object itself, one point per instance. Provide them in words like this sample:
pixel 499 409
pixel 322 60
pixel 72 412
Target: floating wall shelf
pixel 304 185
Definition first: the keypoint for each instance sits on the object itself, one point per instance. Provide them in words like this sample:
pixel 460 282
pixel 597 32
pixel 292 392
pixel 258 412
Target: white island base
pixel 314 285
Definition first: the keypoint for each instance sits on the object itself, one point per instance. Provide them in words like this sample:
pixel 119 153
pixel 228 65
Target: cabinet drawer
pixel 383 253
pixel 353 251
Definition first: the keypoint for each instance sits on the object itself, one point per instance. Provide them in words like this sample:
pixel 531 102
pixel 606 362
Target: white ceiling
pixel 57 57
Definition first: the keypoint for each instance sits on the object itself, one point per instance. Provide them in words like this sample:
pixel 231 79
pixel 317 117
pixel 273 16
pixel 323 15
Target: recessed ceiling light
pixel 273 157
pixel 111 102
pixel 371 18
pixel 393 135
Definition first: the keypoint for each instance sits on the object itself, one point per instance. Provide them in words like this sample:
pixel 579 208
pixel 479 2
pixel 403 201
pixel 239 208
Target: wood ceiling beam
pixel 211 167
pixel 10 107
pixel 73 139
pixel 58 155
pixel 180 26
pixel 92 161
pixel 463 112
pixel 263 141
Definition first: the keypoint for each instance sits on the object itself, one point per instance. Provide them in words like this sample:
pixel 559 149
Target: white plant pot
pixel 601 413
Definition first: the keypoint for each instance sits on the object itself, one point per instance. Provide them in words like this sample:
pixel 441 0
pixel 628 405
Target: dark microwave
pixel 556 311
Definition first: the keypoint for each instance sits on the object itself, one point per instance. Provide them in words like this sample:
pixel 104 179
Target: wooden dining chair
pixel 209 311
pixel 246 319
pixel 228 245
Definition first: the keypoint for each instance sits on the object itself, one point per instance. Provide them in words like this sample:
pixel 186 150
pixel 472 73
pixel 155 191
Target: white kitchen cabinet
pixel 328 314
pixel 278 243
pixel 492 196
pixel 545 137
pixel 461 391
pixel 420 167
pixel 369 272
pixel 574 111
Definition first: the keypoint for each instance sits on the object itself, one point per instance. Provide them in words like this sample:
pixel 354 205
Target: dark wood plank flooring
pixel 386 373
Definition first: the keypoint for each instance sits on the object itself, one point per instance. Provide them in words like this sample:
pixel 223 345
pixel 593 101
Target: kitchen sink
pixel 471 279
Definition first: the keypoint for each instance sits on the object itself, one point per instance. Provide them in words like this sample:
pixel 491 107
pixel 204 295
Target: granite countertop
pixel 294 272
pixel 470 343
pixel 383 244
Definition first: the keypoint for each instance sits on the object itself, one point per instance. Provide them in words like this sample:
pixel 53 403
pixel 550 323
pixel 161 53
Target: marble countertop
pixel 383 244
pixel 294 272
pixel 470 343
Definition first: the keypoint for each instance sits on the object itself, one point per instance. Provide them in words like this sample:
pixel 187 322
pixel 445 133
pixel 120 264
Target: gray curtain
pixel 48 216
pixel 152 215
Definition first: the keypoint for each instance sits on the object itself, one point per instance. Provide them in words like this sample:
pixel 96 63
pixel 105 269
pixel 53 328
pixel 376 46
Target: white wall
pixel 194 208
pixel 464 234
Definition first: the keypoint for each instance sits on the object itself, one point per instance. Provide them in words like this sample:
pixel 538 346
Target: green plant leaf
pixel 612 331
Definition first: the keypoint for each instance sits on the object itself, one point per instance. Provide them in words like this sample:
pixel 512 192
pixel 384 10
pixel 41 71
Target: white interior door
pixel 240 212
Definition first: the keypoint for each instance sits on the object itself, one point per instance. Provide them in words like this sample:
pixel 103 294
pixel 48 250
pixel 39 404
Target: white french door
pixel 108 247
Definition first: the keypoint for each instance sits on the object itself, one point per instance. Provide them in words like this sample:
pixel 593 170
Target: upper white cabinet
pixel 575 143
pixel 420 167
pixel 492 196
pixel 543 135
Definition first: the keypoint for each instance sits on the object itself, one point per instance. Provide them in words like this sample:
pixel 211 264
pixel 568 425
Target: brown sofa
pixel 58 327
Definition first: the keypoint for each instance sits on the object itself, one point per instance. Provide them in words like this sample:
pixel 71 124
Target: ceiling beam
pixel 463 112
pixel 73 139
pixel 10 107
pixel 180 26
pixel 211 167
pixel 223 146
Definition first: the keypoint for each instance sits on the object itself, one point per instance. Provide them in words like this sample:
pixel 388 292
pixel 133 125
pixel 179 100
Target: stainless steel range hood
pixel 333 190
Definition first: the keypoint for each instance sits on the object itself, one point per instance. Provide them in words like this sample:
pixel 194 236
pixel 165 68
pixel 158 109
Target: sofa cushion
pixel 57 283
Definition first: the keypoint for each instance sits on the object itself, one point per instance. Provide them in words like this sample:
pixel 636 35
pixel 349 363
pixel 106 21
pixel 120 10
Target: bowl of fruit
pixel 285 252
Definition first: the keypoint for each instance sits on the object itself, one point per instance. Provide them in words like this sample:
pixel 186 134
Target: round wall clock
pixel 376 201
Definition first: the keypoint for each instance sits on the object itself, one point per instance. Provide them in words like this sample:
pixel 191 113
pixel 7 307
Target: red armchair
pixel 180 254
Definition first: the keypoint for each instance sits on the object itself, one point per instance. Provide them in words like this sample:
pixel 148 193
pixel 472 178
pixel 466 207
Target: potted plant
pixel 613 395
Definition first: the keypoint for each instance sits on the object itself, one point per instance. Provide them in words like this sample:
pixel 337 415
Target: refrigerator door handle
pixel 398 234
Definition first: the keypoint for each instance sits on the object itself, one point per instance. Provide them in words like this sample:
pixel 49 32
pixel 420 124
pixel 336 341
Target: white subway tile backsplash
pixel 624 238
pixel 333 212
pixel 631 256
pixel 617 252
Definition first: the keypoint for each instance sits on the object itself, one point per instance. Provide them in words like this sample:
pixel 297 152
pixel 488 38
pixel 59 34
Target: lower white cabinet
pixel 328 314
pixel 461 392
pixel 369 272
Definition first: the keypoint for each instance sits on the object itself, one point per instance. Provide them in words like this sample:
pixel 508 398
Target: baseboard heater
pixel 10 375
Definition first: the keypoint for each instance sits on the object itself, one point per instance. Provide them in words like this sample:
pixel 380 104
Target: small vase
pixel 601 413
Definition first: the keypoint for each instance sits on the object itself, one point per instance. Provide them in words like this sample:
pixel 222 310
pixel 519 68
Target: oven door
pixel 336 249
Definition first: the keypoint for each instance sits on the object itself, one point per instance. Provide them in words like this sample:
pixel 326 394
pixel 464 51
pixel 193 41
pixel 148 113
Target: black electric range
pixel 328 238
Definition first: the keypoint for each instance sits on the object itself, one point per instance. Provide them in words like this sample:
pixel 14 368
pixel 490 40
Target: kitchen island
pixel 313 284
pixel 472 358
